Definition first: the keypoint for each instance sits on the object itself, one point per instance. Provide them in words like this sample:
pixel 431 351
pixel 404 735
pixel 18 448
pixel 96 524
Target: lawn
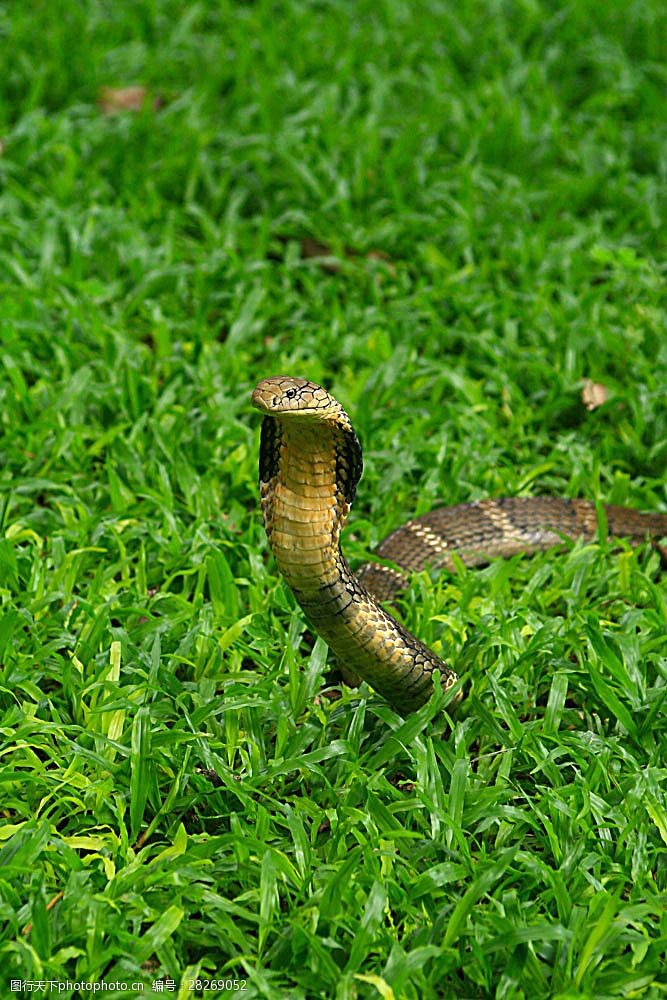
pixel 452 215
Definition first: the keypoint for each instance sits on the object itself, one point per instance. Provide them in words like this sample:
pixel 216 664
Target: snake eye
pixel 291 393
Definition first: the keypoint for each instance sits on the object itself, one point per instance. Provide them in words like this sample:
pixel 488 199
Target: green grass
pixel 490 181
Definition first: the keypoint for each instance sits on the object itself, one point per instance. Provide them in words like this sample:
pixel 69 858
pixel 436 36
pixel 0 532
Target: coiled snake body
pixel 309 465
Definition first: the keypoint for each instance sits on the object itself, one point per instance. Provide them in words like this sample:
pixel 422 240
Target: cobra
pixel 310 462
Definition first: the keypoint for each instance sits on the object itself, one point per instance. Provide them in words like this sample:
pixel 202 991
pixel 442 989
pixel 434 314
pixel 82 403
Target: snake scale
pixel 309 465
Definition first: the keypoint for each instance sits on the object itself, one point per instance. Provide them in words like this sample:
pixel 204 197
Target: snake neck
pixel 303 503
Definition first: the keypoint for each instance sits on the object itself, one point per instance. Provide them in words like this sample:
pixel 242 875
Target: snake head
pixel 283 396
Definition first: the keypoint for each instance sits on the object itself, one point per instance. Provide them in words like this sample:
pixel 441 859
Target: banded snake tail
pixel 309 465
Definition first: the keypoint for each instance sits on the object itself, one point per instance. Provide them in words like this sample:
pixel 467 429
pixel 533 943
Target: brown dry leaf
pixel 113 100
pixel 379 255
pixel 594 394
pixel 314 249
pixel 311 247
pixel 383 258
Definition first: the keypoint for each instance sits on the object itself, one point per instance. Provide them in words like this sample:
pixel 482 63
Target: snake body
pixel 309 465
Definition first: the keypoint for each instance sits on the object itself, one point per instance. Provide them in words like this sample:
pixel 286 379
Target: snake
pixel 310 463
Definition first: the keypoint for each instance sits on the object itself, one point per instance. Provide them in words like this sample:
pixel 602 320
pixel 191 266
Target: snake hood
pixel 292 408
